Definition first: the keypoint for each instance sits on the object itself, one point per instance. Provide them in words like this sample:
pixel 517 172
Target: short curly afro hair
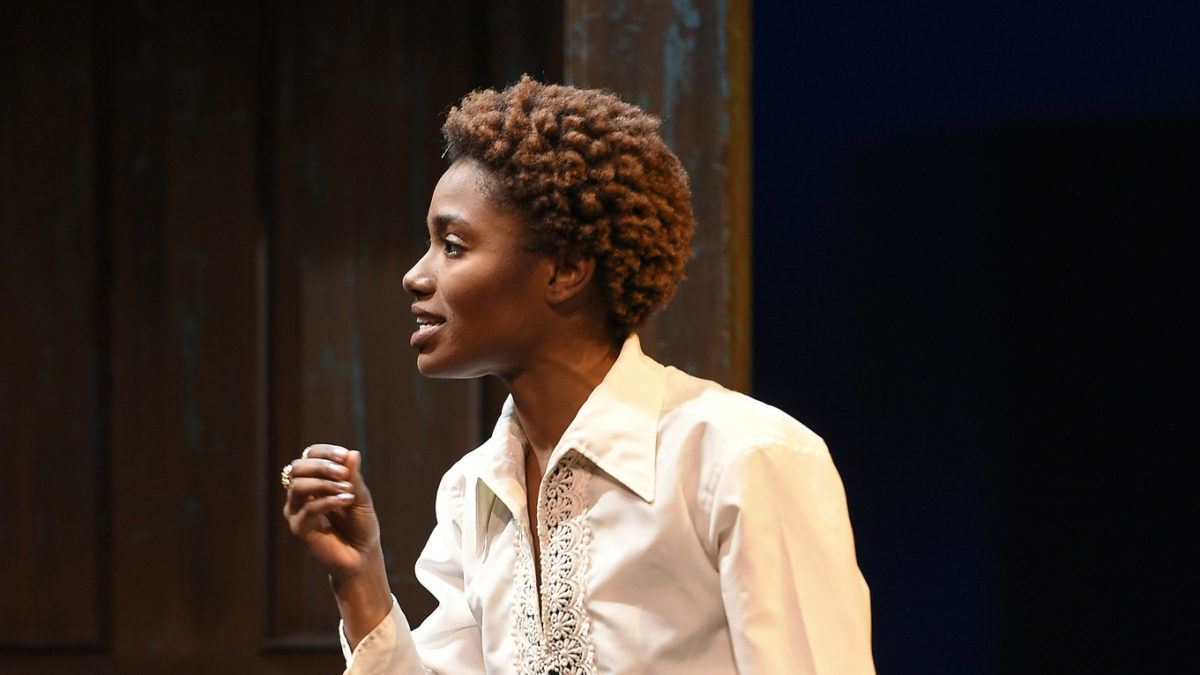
pixel 592 177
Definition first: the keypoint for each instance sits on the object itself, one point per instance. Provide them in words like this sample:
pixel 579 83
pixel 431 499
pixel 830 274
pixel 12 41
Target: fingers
pixel 325 451
pixel 320 474
pixel 329 507
pixel 308 489
pixel 325 479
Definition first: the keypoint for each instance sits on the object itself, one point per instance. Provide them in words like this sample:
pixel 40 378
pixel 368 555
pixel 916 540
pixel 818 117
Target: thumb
pixel 354 464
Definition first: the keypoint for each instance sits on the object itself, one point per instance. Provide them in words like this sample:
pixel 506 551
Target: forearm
pixel 364 598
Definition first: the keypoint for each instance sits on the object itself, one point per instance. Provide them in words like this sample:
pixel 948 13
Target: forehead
pixel 467 175
pixel 465 195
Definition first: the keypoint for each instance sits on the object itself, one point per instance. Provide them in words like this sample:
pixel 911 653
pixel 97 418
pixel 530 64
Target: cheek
pixel 504 297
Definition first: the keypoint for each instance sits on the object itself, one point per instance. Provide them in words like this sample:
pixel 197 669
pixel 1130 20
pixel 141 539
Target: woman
pixel 624 516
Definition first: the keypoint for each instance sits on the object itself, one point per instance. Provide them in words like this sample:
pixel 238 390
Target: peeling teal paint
pixel 678 62
pixel 576 49
pixel 688 14
pixel 617 10
pixel 676 75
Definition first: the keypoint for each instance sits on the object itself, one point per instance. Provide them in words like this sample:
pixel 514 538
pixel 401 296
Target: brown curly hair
pixel 593 177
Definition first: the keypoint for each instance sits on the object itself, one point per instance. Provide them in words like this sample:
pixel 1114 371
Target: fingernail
pixel 344 486
pixel 346 497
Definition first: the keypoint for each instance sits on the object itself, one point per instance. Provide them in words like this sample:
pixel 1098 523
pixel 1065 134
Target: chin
pixel 431 366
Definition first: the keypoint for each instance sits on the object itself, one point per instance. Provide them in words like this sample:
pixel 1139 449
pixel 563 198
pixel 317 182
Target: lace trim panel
pixel 558 640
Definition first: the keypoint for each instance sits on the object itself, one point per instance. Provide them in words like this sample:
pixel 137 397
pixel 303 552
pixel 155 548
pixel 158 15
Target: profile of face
pixel 480 297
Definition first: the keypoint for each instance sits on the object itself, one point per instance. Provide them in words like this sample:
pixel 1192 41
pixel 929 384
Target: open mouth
pixel 424 322
pixel 427 325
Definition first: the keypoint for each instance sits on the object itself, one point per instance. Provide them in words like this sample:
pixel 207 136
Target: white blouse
pixel 684 528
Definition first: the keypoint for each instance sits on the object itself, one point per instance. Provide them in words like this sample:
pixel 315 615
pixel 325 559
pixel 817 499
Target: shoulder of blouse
pixel 737 423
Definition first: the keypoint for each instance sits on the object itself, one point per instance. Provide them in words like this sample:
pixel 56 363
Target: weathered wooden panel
pixel 689 64
pixel 188 295
pixel 209 207
pixel 517 37
pixel 361 89
pixel 53 533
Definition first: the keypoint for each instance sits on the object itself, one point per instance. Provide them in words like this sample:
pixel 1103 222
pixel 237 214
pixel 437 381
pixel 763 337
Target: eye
pixel 452 248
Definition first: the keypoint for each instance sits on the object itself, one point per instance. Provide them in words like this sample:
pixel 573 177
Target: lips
pixel 427 326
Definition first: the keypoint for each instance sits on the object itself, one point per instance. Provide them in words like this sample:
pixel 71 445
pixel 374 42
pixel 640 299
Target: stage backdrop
pixel 207 209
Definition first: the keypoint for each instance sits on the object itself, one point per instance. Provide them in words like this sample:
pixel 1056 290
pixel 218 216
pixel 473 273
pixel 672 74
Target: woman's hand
pixel 329 507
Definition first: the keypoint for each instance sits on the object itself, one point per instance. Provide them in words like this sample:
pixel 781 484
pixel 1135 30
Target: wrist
pixel 364 597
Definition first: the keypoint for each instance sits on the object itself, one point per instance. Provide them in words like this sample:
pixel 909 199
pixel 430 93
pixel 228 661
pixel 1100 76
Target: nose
pixel 417 280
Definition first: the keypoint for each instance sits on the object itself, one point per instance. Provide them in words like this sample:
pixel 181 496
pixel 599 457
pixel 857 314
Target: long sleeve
pixel 793 594
pixel 448 641
pixel 387 649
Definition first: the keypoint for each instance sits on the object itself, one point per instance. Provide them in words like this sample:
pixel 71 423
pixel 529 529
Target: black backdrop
pixel 972 276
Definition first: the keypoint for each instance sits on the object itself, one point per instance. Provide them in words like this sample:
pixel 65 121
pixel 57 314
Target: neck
pixel 549 393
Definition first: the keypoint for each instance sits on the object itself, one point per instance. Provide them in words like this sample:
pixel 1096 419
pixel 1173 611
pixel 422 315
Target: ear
pixel 570 276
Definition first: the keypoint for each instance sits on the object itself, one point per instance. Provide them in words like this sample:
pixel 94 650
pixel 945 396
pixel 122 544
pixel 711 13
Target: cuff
pixel 388 648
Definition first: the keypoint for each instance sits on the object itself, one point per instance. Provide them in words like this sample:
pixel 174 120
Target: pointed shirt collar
pixel 616 429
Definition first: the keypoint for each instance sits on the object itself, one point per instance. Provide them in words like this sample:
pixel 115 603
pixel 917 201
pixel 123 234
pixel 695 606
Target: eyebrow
pixel 442 220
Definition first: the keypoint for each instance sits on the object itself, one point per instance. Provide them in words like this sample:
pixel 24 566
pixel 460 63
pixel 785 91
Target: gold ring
pixel 285 477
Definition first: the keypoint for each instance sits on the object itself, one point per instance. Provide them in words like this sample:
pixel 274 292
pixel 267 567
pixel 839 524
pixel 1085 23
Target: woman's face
pixel 480 297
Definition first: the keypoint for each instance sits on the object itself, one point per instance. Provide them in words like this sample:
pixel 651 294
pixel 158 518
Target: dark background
pixel 206 207
pixel 973 276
